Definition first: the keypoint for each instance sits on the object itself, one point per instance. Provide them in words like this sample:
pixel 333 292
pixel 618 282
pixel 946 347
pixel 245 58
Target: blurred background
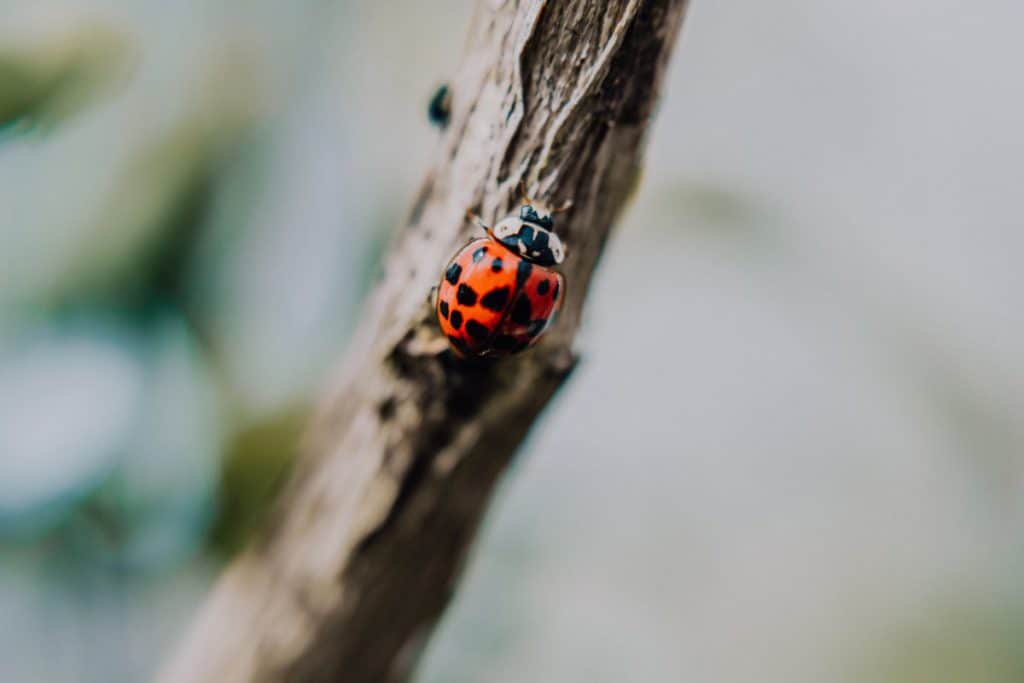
pixel 822 474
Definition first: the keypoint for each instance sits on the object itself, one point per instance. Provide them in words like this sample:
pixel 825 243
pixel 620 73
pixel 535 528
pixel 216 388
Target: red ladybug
pixel 498 294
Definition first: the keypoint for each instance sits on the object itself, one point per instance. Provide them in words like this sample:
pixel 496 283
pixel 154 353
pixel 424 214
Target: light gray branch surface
pixel 368 538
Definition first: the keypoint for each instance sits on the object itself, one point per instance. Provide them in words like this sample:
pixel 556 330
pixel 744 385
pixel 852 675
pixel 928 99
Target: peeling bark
pixel 368 539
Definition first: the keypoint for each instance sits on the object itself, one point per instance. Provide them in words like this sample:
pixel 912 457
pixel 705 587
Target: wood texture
pixel 369 537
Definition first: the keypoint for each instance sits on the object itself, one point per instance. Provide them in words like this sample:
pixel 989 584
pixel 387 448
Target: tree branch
pixel 369 537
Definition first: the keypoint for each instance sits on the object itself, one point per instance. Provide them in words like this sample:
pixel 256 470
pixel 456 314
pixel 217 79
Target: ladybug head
pixel 537 215
pixel 531 236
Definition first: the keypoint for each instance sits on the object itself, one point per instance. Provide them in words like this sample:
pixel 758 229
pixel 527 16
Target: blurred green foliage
pixel 53 65
pixel 974 641
pixel 256 462
pixel 127 283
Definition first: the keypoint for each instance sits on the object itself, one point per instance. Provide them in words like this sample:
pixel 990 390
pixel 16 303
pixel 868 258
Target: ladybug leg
pixel 475 219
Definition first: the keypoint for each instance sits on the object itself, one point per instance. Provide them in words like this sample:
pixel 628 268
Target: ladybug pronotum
pixel 499 294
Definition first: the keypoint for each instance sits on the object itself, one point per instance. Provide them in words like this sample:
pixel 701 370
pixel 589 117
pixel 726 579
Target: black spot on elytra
pixel 523 273
pixel 443 307
pixel 497 265
pixel 536 327
pixel 521 310
pixel 453 273
pixel 554 294
pixel 466 296
pixel 543 287
pixel 476 330
pixel 495 299
pixel 479 254
pixel 506 342
pixel 456 319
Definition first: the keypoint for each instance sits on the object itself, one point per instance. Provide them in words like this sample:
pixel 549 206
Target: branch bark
pixel 369 537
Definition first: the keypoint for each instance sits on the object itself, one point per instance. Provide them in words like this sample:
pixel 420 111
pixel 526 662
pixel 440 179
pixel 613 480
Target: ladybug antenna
pixel 522 192
pixel 566 205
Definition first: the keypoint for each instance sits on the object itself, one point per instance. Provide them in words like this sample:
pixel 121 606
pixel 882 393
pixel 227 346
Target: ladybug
pixel 499 293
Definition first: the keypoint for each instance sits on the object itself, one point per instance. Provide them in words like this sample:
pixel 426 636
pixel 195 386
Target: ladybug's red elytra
pixel 499 294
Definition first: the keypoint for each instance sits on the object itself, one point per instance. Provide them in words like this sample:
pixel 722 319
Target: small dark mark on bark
pixel 386 408
pixel 421 200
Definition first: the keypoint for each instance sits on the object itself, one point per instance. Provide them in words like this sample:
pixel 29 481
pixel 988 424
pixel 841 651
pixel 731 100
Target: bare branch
pixel 369 537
